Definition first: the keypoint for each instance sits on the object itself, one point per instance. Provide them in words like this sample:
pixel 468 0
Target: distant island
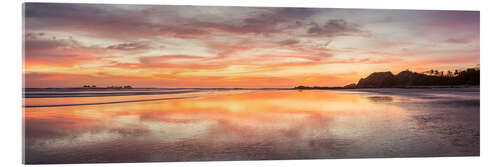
pixel 109 87
pixel 409 79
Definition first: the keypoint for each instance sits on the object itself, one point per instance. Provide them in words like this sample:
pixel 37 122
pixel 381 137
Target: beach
pixel 253 124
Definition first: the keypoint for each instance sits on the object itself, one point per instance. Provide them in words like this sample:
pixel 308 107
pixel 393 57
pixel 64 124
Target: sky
pixel 71 45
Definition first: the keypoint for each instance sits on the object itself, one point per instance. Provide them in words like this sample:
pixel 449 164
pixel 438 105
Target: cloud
pixel 129 46
pixel 125 23
pixel 32 45
pixel 39 42
pixel 167 59
pixel 56 51
pixel 454 20
pixel 289 42
pixel 112 21
pixel 333 27
pixel 438 62
pixel 266 21
pixel 457 40
pixel 121 22
pixel 269 21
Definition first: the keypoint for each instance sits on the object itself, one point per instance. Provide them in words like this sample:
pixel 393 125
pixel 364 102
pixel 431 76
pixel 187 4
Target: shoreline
pixel 396 87
pixel 414 91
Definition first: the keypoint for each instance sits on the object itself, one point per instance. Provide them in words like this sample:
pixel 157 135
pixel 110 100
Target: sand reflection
pixel 257 125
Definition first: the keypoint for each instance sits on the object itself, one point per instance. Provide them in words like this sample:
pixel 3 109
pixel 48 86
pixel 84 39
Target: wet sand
pixel 259 125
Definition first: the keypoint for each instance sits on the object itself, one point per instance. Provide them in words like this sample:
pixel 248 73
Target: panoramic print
pixel 111 83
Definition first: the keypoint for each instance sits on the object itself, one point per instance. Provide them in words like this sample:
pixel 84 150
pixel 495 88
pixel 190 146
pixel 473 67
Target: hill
pixel 408 78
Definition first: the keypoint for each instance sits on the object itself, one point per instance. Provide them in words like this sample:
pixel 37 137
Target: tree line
pixel 407 78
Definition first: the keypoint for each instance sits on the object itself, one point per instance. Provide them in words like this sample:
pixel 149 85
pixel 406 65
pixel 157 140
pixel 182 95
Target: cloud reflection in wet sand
pixel 258 125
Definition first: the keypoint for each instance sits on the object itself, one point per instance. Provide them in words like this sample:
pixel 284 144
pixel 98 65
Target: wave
pixel 61 99
pixel 100 94
pixel 112 102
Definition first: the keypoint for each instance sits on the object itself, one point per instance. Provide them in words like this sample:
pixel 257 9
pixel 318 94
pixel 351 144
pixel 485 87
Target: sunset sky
pixel 70 45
